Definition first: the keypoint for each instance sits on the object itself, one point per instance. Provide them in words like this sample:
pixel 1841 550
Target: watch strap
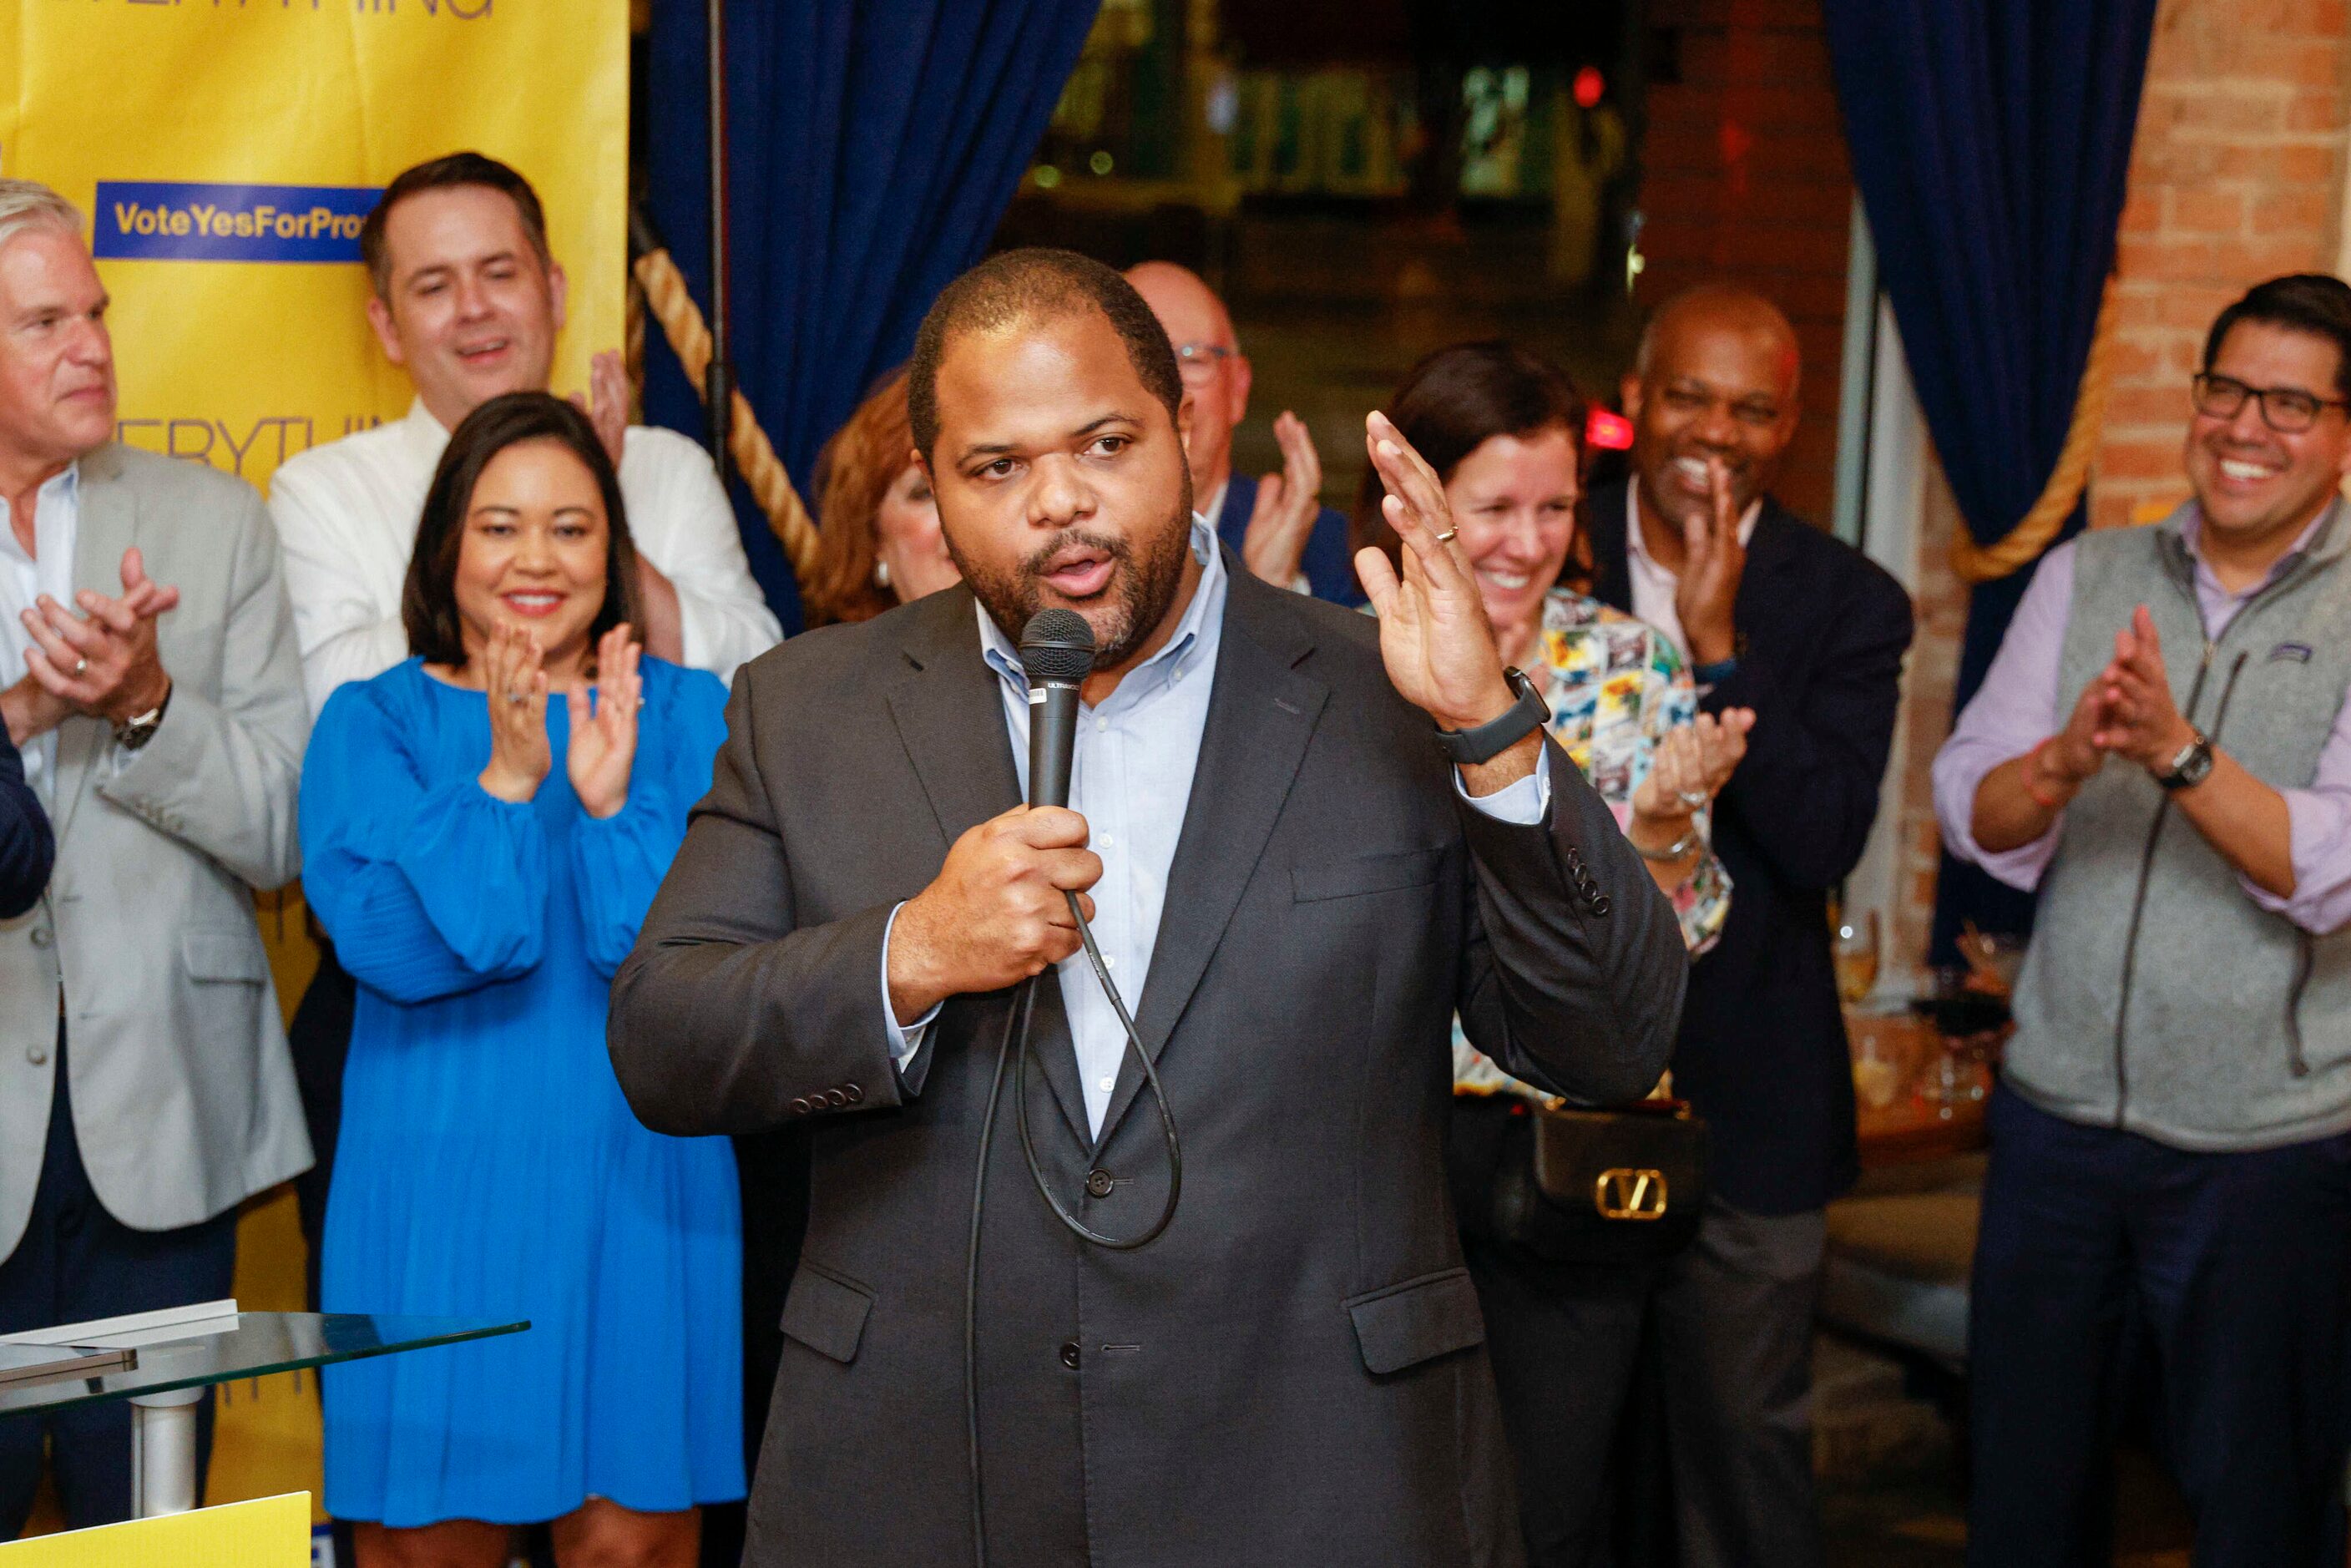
pixel 2191 766
pixel 1496 736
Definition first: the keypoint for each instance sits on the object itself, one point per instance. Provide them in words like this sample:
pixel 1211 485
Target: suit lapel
pixel 1260 717
pixel 949 710
pixel 1769 557
pixel 106 526
pixel 1612 576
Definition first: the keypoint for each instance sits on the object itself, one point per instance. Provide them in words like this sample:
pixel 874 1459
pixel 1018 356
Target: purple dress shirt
pixel 2019 704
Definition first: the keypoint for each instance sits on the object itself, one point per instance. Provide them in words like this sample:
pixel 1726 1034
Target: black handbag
pixel 1621 1185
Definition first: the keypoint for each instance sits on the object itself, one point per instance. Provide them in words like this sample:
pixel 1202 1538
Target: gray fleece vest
pixel 2156 995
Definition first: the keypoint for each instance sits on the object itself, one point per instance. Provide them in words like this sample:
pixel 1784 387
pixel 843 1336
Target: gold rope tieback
pixel 2023 543
pixel 755 458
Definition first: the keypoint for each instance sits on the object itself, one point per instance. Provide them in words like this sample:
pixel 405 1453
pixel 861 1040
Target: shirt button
pixel 1110 960
pixel 1069 1354
pixel 1107 1083
pixel 1102 724
pixel 41 937
pixel 1099 1183
pixel 36 1055
pixel 1107 841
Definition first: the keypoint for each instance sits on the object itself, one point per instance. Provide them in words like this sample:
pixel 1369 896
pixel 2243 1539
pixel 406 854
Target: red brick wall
pixel 1744 176
pixel 2236 175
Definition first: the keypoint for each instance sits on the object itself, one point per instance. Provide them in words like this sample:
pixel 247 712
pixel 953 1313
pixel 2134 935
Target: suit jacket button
pixel 853 1093
pixel 1069 1354
pixel 1098 1182
pixel 800 1107
pixel 836 1098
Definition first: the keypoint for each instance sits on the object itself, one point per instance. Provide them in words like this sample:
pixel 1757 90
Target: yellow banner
pixel 225 150
pixel 274 1532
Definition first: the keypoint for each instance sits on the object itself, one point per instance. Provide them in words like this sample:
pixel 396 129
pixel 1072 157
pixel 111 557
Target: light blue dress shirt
pixel 57 518
pixel 1131 779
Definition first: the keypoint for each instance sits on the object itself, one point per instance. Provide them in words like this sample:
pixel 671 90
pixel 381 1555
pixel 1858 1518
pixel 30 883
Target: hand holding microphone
pixel 995 915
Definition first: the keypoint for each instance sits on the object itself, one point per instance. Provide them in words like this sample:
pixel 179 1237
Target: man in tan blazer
pixel 150 680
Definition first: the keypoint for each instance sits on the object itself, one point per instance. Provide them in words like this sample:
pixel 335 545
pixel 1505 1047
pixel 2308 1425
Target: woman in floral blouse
pixel 1504 430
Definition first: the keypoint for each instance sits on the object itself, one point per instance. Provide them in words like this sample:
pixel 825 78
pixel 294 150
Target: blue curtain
pixel 1990 141
pixel 873 147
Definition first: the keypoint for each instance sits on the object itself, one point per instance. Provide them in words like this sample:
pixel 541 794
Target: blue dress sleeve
pixel 430 887
pixel 618 862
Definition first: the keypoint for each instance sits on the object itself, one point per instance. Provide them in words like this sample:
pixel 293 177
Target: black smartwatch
pixel 2191 766
pixel 1490 739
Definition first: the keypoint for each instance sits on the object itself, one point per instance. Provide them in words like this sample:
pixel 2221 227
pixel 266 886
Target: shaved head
pixel 1216 372
pixel 1722 308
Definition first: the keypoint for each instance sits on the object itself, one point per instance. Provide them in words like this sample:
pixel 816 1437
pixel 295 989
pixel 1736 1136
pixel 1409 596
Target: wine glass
pixel 1853 946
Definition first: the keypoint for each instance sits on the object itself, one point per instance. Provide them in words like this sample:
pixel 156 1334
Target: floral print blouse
pixel 1615 686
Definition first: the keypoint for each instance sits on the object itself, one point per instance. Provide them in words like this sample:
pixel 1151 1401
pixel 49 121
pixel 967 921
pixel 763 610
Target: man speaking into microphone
pixel 1303 840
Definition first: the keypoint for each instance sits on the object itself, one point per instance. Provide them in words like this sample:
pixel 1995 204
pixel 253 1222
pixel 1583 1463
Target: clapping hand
pixel 1712 564
pixel 2140 720
pixel 104 661
pixel 1433 636
pixel 1689 768
pixel 604 739
pixel 1282 521
pixel 514 674
pixel 606 404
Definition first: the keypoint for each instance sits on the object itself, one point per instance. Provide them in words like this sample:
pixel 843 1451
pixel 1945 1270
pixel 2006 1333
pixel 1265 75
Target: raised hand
pixel 606 404
pixel 1722 741
pixel 2140 720
pixel 103 662
pixel 994 915
pixel 1713 562
pixel 604 739
pixel 514 676
pixel 1282 521
pixel 1433 636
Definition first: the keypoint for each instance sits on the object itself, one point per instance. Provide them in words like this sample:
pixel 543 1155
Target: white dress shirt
pixel 57 513
pixel 1131 779
pixel 346 515
pixel 1653 586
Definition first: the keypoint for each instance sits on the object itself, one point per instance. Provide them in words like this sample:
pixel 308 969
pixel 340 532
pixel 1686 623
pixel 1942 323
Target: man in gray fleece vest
pixel 2161 748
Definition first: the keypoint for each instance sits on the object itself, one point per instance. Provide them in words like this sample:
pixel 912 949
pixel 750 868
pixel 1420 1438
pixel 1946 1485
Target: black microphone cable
pixel 1057 634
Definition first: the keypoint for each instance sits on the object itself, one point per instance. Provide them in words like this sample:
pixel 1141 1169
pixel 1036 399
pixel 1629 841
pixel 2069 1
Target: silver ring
pixel 81 666
pixel 1446 537
pixel 1693 799
pixel 518 698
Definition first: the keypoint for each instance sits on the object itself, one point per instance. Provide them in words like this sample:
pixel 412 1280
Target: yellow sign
pixel 272 1532
pixel 225 150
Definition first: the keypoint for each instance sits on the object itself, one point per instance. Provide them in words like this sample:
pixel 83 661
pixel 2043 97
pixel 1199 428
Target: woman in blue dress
pixel 483 829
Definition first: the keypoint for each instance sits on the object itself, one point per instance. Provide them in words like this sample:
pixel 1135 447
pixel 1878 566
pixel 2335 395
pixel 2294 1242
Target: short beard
pixel 1142 587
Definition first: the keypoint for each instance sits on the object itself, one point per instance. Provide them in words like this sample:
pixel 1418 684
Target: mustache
pixel 1117 550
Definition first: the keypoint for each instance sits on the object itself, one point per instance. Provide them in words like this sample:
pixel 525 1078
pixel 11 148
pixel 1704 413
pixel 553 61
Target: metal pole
pixel 719 389
pixel 164 1451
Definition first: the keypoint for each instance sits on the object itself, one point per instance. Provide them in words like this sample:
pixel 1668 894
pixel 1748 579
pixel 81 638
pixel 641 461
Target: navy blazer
pixel 1762 1053
pixel 26 847
pixel 1328 563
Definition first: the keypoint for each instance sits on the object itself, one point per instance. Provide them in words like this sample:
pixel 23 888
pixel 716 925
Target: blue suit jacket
pixel 26 847
pixel 1328 563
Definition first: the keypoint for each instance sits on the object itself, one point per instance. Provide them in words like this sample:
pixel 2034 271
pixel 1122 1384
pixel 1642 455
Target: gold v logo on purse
pixel 1625 1193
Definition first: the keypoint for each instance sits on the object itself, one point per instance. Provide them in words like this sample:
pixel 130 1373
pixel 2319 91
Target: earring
pixel 880 573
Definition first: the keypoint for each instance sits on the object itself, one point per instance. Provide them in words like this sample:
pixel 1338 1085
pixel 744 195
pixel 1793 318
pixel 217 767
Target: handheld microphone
pixel 1056 653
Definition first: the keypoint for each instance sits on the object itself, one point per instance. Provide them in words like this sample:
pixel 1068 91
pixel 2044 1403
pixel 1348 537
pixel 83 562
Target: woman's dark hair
pixel 1457 400
pixel 428 604
pixel 2309 302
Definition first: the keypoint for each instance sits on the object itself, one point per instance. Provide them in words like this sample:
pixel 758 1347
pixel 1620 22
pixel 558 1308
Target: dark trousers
pixel 2233 1265
pixel 1730 1318
pixel 77 1262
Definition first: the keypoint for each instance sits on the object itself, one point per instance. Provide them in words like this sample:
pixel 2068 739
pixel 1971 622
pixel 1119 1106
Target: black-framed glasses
pixel 2289 411
pixel 1197 361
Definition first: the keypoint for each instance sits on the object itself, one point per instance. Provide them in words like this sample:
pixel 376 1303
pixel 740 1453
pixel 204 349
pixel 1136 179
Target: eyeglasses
pixel 1197 361
pixel 2289 411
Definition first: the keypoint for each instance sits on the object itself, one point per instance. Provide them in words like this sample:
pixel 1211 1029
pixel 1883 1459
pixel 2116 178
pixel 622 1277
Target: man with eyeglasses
pixel 2161 748
pixel 1276 525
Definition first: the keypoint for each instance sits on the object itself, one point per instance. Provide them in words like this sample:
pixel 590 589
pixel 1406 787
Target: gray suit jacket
pixel 182 1092
pixel 1292 1374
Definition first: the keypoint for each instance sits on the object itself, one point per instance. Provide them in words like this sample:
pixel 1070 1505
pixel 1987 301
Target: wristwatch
pixel 1490 739
pixel 2192 766
pixel 139 728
